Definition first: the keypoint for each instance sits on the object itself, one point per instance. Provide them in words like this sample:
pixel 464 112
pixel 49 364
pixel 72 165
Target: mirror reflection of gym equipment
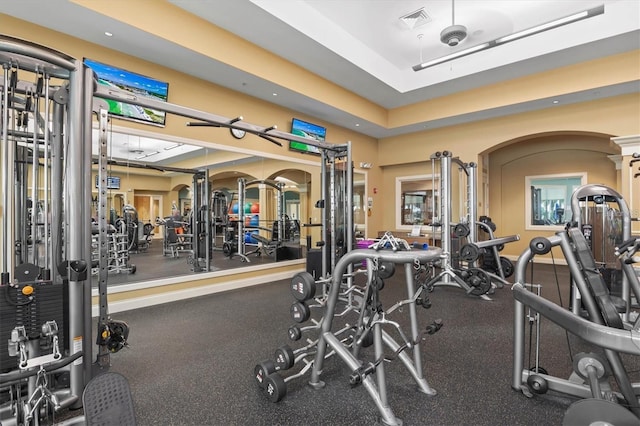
pixel 152 194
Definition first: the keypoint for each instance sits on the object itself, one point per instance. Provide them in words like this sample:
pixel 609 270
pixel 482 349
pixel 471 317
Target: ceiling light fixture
pixel 170 147
pixel 147 155
pixel 595 11
pixel 108 34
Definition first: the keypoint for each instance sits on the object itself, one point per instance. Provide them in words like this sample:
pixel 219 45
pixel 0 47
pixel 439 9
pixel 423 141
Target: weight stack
pixel 314 262
pixel 48 304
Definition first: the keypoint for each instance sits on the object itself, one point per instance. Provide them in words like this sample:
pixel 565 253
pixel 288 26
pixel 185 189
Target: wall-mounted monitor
pixel 137 84
pixel 306 130
pixel 113 182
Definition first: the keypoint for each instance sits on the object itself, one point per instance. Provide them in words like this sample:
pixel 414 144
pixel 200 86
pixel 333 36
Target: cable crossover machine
pixel 470 278
pixel 49 102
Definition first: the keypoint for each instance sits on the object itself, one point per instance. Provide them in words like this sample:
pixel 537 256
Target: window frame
pixel 528 219
pixel 434 179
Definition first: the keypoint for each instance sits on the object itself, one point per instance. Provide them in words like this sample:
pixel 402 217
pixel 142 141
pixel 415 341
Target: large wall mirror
pixel 142 179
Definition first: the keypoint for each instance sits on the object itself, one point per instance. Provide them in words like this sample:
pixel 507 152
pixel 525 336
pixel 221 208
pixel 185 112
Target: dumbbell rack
pixel 339 297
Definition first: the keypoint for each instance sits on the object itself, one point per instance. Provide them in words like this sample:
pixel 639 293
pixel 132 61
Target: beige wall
pixel 615 116
pixel 473 142
pixel 195 93
pixel 555 154
pixel 394 156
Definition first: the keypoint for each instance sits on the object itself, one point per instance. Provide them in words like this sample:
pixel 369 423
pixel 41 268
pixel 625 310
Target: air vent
pixel 416 19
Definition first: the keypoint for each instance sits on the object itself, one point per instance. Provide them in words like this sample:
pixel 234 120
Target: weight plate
pixel 582 361
pixel 461 230
pixel 386 270
pixel 598 412
pixel 478 281
pixel 469 253
pixel 507 266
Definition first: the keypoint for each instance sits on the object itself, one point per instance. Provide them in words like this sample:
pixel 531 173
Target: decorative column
pixel 629 177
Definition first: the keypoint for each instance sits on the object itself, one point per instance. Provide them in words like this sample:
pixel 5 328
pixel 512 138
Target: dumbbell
pixel 303 286
pixel 295 332
pixel 274 385
pixel 284 360
pixel 300 312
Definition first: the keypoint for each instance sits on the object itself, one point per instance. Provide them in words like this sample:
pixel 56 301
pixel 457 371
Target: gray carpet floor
pixel 191 362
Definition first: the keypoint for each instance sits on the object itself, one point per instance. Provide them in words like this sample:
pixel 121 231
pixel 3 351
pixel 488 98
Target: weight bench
pixel 269 246
pixel 471 251
pixel 175 243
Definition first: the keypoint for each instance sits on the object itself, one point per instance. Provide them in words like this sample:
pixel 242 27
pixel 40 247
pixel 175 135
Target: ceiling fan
pixel 454 34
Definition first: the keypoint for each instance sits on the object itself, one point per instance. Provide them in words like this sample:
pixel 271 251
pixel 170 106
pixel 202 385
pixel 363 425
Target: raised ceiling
pixel 365 46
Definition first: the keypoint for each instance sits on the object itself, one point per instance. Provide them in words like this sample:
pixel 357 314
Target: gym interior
pixel 287 247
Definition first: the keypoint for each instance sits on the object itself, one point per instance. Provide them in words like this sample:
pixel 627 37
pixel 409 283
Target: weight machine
pixel 278 230
pixel 603 327
pixel 336 204
pixel 603 216
pixel 472 280
pixel 45 292
pixel 220 204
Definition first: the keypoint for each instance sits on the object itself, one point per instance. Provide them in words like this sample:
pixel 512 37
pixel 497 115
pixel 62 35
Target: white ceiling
pixel 363 46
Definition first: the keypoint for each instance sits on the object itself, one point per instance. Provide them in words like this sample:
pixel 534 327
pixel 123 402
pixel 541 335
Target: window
pixel 417 200
pixel 548 199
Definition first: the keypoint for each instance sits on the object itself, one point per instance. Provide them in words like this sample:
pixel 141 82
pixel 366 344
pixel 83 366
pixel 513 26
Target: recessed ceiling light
pixel 357 124
pixel 275 94
pixel 556 101
pixel 108 34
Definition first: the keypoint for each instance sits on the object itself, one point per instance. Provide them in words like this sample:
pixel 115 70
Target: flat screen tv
pixel 138 84
pixel 113 182
pixel 306 130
